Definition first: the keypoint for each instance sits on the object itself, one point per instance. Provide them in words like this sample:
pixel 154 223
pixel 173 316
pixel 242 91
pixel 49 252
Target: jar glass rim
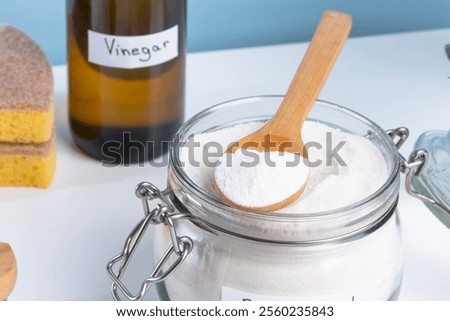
pixel 177 167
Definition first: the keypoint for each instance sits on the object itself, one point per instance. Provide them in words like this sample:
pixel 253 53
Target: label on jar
pixel 366 293
pixel 131 52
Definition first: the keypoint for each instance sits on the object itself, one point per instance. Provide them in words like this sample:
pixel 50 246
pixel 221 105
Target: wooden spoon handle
pixel 8 271
pixel 325 46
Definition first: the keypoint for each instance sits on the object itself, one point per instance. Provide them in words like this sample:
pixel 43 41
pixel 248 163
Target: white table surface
pixel 64 236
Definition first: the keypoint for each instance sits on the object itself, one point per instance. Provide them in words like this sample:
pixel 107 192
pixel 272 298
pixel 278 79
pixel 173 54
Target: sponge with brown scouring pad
pixel 27 139
pixel 26 89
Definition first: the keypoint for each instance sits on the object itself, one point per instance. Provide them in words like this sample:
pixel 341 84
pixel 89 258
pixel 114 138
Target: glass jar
pixel 353 252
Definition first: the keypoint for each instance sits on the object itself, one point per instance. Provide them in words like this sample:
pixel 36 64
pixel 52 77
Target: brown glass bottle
pixel 123 113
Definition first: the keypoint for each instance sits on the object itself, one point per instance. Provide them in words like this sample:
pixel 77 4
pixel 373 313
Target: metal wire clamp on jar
pixel 206 224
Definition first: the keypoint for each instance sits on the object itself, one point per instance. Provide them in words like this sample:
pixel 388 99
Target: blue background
pixel 219 24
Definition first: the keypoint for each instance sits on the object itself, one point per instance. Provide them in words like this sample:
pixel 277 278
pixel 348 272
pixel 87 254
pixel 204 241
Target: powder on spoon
pixel 255 179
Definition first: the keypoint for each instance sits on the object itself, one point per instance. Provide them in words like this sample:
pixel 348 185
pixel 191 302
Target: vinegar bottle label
pixel 132 52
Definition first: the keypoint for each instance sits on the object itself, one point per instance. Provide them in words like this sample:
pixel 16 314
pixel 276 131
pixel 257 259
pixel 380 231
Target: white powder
pixel 366 269
pixel 223 267
pixel 330 186
pixel 254 179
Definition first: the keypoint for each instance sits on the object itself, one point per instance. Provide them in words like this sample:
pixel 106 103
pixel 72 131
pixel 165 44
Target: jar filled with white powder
pixel 340 240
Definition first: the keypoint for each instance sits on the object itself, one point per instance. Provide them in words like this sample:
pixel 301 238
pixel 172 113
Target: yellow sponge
pixel 27 164
pixel 25 127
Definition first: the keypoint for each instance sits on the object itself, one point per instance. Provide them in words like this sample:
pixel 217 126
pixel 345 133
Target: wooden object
pixel 8 271
pixel 283 131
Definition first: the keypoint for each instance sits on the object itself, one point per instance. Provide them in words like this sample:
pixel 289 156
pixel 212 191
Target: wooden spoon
pixel 283 131
pixel 8 271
